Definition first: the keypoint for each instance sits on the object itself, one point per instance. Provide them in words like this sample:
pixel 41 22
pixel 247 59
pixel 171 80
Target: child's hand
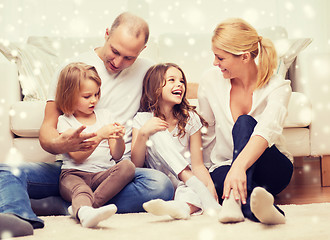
pixel 154 125
pixel 113 131
pixel 120 131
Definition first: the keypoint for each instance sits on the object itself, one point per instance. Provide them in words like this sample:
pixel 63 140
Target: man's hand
pixel 73 140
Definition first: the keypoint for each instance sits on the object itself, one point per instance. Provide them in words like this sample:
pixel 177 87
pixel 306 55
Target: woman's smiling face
pixel 228 63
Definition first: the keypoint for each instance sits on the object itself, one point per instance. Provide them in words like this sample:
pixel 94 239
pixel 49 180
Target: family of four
pixel 119 154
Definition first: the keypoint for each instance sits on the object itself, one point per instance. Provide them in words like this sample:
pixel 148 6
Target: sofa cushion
pixel 299 111
pixel 32 151
pixel 297 141
pixel 26 118
pixel 287 51
pixel 35 67
pixel 64 48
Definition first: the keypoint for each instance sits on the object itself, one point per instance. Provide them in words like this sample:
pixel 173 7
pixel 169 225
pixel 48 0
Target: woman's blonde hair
pixel 236 36
pixel 68 85
pixel 153 83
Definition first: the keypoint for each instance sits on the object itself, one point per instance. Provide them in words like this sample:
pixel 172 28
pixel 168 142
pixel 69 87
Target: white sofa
pixel 26 69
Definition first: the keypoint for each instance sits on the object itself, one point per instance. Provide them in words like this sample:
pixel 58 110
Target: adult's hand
pixel 73 140
pixel 235 181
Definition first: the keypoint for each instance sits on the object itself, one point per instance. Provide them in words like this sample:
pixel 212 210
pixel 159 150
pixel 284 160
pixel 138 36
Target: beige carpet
pixel 310 222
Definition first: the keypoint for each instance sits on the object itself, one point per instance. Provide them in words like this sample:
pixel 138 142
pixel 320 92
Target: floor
pixel 305 186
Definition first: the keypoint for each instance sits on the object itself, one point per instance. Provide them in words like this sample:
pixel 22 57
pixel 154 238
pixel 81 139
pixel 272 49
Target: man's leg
pixel 43 188
pixel 14 198
pixel 148 184
pixel 12 226
pixel 34 180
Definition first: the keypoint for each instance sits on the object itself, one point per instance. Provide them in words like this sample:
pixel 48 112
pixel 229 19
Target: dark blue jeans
pixel 272 171
pixel 41 180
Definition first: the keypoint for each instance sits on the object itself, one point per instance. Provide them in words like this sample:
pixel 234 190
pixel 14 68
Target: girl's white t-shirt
pixel 101 158
pixel 181 143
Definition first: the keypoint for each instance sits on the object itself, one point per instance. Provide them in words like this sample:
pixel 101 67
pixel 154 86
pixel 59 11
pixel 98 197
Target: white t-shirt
pixel 269 108
pixel 120 93
pixel 181 143
pixel 100 159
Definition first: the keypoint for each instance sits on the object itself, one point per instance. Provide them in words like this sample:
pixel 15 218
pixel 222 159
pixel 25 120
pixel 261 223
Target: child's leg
pixel 110 182
pixel 173 208
pixel 89 217
pixel 185 202
pixel 73 188
pixel 208 201
pixel 73 185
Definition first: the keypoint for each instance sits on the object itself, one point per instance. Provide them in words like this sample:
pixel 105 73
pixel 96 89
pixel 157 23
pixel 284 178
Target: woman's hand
pixel 235 181
pixel 153 125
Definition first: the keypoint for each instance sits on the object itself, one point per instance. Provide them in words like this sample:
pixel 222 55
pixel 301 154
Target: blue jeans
pixel 272 171
pixel 40 180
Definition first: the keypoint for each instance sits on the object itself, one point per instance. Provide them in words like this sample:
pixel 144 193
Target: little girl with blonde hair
pixel 90 178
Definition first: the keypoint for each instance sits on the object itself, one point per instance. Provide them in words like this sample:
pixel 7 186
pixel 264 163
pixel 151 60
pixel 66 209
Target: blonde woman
pixel 245 104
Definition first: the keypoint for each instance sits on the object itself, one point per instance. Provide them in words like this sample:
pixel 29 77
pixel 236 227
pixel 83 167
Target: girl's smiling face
pixel 174 87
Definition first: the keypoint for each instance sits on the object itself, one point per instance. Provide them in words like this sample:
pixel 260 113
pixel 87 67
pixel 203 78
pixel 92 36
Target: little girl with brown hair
pixel 90 178
pixel 167 136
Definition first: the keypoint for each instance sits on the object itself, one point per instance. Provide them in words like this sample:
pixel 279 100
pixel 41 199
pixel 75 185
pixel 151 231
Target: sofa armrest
pixel 314 72
pixel 9 93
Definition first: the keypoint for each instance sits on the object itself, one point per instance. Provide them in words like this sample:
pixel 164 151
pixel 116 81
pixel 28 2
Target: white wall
pixel 302 18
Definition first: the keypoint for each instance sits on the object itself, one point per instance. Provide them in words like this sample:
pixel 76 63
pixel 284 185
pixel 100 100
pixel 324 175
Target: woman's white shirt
pixel 269 109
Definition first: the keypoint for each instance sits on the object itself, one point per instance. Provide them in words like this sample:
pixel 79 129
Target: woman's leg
pixel 231 209
pixel 271 171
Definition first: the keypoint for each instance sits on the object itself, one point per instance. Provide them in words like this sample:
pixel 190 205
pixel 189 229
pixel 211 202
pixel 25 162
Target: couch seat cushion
pixel 26 118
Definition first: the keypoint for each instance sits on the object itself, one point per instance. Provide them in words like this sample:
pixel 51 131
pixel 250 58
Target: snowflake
pixel 129 123
pixel 14 158
pixel 186 154
pixel 307 168
pixel 204 130
pixel 149 143
pixel 23 115
pixel 309 11
pixel 6 234
pixel 289 6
